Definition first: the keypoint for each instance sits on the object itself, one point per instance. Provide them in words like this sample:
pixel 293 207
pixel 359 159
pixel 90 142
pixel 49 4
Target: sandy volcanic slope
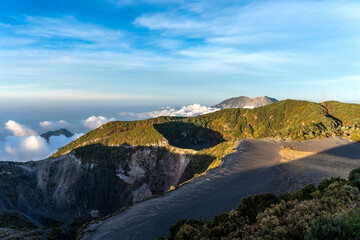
pixel 256 166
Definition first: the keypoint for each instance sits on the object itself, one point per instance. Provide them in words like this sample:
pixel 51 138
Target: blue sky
pixel 156 52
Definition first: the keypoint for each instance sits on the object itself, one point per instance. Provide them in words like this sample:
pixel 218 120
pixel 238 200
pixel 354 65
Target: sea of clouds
pixel 26 144
pixel 23 143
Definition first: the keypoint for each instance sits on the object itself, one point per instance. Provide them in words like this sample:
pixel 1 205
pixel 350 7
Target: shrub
pixel 185 229
pixel 327 182
pixel 303 194
pixel 324 228
pixel 354 177
pixel 252 205
pixel 352 219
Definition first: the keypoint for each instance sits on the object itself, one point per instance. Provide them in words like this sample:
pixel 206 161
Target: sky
pixel 174 52
pixel 79 64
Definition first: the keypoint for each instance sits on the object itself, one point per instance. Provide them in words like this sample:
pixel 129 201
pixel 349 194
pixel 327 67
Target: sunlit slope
pixel 347 113
pixel 288 119
pixel 291 119
pixel 120 132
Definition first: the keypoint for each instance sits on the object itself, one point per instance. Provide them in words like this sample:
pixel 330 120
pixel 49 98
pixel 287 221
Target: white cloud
pixel 254 21
pixel 69 27
pixel 18 130
pixel 96 121
pixel 26 144
pixel 249 107
pixel 185 111
pixel 162 21
pixel 26 148
pixel 51 126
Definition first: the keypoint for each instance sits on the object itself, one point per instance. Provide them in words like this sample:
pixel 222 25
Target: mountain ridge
pixel 290 119
pixel 62 131
pixel 245 102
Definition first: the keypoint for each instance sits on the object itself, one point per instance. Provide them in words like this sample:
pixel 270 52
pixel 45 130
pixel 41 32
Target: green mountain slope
pixel 120 132
pixel 288 119
pixel 284 119
pixel 347 113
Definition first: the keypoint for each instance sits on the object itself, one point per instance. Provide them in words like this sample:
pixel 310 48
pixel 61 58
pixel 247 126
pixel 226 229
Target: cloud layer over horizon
pixel 185 111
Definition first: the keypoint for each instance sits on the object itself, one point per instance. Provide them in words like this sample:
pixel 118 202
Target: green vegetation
pixel 347 113
pixel 330 211
pixel 206 159
pixel 289 119
pixel 120 132
pixel 286 119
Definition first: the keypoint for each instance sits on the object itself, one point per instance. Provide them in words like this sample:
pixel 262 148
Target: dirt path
pixel 255 167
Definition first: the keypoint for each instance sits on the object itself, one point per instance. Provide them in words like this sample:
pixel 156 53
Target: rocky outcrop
pixel 59 132
pixel 94 180
pixel 245 102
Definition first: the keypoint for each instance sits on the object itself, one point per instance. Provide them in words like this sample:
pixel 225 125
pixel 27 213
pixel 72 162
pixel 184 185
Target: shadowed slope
pixel 188 135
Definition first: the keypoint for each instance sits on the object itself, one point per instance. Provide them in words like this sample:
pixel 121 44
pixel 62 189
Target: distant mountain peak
pixel 245 102
pixel 59 132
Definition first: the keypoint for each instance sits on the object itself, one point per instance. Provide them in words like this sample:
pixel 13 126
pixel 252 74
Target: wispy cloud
pixel 62 32
pixel 265 41
pixel 348 80
pixel 73 95
pixel 127 3
pixel 257 21
pixel 19 86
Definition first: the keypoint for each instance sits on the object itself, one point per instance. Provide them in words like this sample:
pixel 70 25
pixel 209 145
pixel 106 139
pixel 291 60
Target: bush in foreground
pixel 329 211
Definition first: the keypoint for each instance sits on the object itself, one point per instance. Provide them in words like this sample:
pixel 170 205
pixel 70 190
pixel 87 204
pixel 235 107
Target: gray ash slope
pixel 243 101
pixel 255 167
